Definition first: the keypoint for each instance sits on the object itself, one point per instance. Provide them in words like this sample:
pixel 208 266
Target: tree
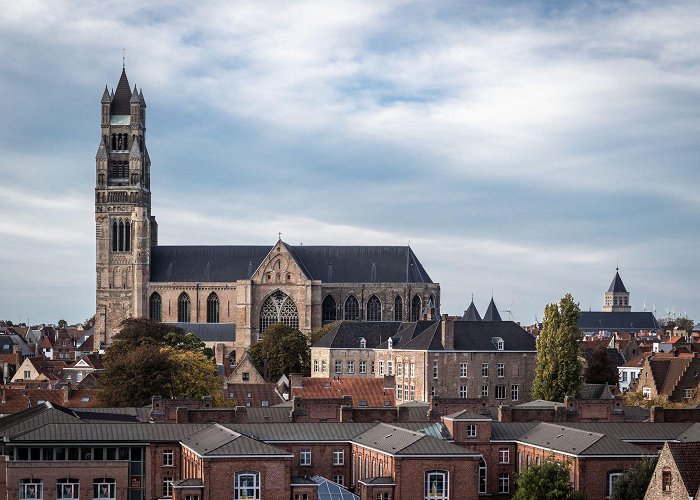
pixel 633 484
pixel 62 323
pixel 318 334
pixel 600 368
pixel 558 371
pixel 282 350
pixel 547 481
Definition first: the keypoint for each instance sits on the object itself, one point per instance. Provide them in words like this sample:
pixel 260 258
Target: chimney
pixel 448 333
pixel 295 381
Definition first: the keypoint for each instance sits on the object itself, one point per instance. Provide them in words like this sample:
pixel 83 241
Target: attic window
pixel 265 403
pixel 326 384
pixel 498 342
pixel 85 399
pixel 363 402
pixel 363 343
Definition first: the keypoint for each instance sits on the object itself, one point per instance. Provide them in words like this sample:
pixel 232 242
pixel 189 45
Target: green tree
pixel 282 350
pixel 600 368
pixel 62 323
pixel 633 484
pixel 319 333
pixel 558 371
pixel 547 481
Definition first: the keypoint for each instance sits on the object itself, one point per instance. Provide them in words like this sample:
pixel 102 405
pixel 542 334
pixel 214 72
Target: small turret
pixel 492 313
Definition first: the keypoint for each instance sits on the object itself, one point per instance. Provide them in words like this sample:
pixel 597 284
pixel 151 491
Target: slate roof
pixel 217 440
pixel 471 314
pixel 399 441
pixel 85 432
pixel 7 343
pixel 347 334
pixel 253 394
pixel 305 432
pixel 210 332
pixel 595 391
pixel 330 264
pixel 617 321
pixel 617 285
pixel 122 96
pixel 492 313
pixel 687 458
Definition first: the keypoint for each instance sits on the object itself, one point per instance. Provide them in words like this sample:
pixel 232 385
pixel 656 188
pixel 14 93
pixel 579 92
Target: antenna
pixel 510 314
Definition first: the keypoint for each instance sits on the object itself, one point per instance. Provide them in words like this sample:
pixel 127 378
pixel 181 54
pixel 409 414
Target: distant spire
pixel 123 58
pixel 135 152
pixel 492 313
pixel 143 101
pixel 106 98
pixel 101 151
pixel 122 96
pixel 471 314
pixel 135 99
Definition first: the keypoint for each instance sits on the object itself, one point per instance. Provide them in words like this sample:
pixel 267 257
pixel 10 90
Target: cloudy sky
pixel 522 148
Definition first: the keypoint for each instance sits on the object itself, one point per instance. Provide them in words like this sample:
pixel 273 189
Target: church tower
pixel 125 229
pixel 617 298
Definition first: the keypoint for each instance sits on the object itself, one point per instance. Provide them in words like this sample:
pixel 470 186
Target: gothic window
pixel 431 305
pixel 374 309
pixel 329 309
pixel 155 307
pixel 398 309
pixel 415 308
pixel 121 236
pixel 213 308
pixel 352 309
pixel 115 236
pixel 127 236
pixel 183 308
pixel 278 308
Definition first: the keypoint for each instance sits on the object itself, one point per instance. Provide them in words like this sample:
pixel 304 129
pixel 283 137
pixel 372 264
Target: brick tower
pixel 125 229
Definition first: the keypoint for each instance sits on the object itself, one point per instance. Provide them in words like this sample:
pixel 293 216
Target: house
pixel 673 376
pixel 677 473
pixel 629 372
pixel 77 371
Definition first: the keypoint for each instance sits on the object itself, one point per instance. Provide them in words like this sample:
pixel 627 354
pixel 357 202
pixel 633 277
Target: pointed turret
pixel 106 98
pixel 135 99
pixel 492 313
pixel 135 153
pixel 143 101
pixel 471 314
pixel 101 151
pixel 122 96
pixel 617 285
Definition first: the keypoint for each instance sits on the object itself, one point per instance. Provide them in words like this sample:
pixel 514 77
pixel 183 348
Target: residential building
pixel 676 474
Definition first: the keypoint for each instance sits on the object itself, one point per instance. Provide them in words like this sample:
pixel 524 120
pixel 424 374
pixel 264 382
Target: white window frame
pixel 351 366
pixel 514 392
pixel 463 367
pixel 471 431
pixel 501 370
pixel 338 366
pixel 246 491
pixel 413 370
pixel 31 488
pixel 381 368
pixel 338 456
pixel 363 367
pixel 500 392
pixel 67 489
pixel 484 390
pixel 463 391
pixel 389 367
pixel 305 457
pixel 504 455
pixel 431 480
pixel 503 483
pixel 399 369
pixel 102 486
pixel 167 487
pixel 168 458
pixel 484 370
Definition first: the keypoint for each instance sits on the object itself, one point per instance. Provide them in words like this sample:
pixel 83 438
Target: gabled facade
pixel 677 473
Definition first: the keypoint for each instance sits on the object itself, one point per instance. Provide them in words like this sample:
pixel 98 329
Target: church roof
pixel 471 314
pixel 492 313
pixel 617 321
pixel 122 96
pixel 617 285
pixel 330 264
pixel 210 332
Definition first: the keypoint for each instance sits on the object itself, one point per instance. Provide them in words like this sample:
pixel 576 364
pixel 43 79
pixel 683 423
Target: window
pixel 687 393
pixel 278 308
pixel 484 369
pixel 405 391
pixel 463 370
pixel 503 483
pixel 191 497
pixel 338 366
pixel 646 391
pixel 31 488
pixel 339 479
pixel 504 455
pixel 399 392
pixel 351 367
pixel 167 486
pixel 301 496
pixel 315 365
pixel 433 391
pixel 183 308
pixel 413 393
pixel 471 430
pixel 482 475
pixel 381 368
pixel 374 309
pixel 155 307
pixel 435 369
pixel 398 309
pixel 436 485
pixel 389 367
pixel 613 476
pixel 363 366
pixel 463 391
pixel 247 486
pixel 245 376
pixel 415 308
pixel 212 308
pixel 666 480
pixel 399 368
pixel 329 309
pixel 623 376
pixel 352 309
pixel 501 369
pixel 500 392
pixel 338 457
pixel 363 343
pixel 514 392
pixel 27 374
pixel 121 236
pixel 412 370
pixel 485 391
pixel 323 366
pixel 538 460
pixel 305 456
pixel 103 489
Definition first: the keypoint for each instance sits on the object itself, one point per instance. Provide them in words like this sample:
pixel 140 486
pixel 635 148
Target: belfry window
pixel 278 308
pixel 398 308
pixel 374 309
pixel 183 308
pixel 415 308
pixel 352 309
pixel 329 309
pixel 213 308
pixel 155 307
pixel 121 236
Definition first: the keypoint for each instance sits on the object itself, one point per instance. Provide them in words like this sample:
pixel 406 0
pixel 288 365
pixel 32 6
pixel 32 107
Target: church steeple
pixel 471 314
pixel 617 297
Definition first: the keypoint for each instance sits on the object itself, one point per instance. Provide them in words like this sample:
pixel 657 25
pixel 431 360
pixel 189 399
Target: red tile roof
pixel 370 390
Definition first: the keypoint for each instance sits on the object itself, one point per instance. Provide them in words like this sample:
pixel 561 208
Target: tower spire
pixel 123 58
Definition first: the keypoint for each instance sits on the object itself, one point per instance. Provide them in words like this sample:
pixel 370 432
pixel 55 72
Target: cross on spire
pixel 279 236
pixel 123 58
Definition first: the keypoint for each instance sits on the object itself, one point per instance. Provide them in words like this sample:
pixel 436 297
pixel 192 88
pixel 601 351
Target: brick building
pixel 676 476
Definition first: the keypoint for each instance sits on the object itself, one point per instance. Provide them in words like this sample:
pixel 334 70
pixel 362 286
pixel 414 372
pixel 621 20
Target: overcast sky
pixel 522 148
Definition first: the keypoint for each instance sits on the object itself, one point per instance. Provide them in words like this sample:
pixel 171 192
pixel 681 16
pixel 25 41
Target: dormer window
pixel 498 342
pixel 363 343
pixel 390 343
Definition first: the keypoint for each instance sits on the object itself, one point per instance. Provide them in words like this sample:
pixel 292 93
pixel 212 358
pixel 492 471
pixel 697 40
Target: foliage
pixel 149 358
pixel 282 350
pixel 638 399
pixel 558 372
pixel 89 323
pixel 62 323
pixel 600 368
pixel 547 481
pixel 682 323
pixel 318 334
pixel 633 484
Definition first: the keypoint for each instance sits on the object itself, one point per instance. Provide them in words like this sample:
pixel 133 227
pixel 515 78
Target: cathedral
pixel 239 289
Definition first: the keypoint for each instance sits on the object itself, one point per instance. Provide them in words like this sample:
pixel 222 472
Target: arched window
pixel 127 236
pixel 104 489
pixel 415 308
pixel 121 236
pixel 329 309
pixel 437 485
pixel 278 308
pixel 155 307
pixel 67 489
pixel 352 309
pixel 212 308
pixel 115 236
pixel 374 309
pixel 482 475
pixel 247 486
pixel 398 308
pixel 183 308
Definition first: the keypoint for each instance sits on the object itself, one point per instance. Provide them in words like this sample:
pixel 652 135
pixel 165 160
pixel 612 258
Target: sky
pixel 523 149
